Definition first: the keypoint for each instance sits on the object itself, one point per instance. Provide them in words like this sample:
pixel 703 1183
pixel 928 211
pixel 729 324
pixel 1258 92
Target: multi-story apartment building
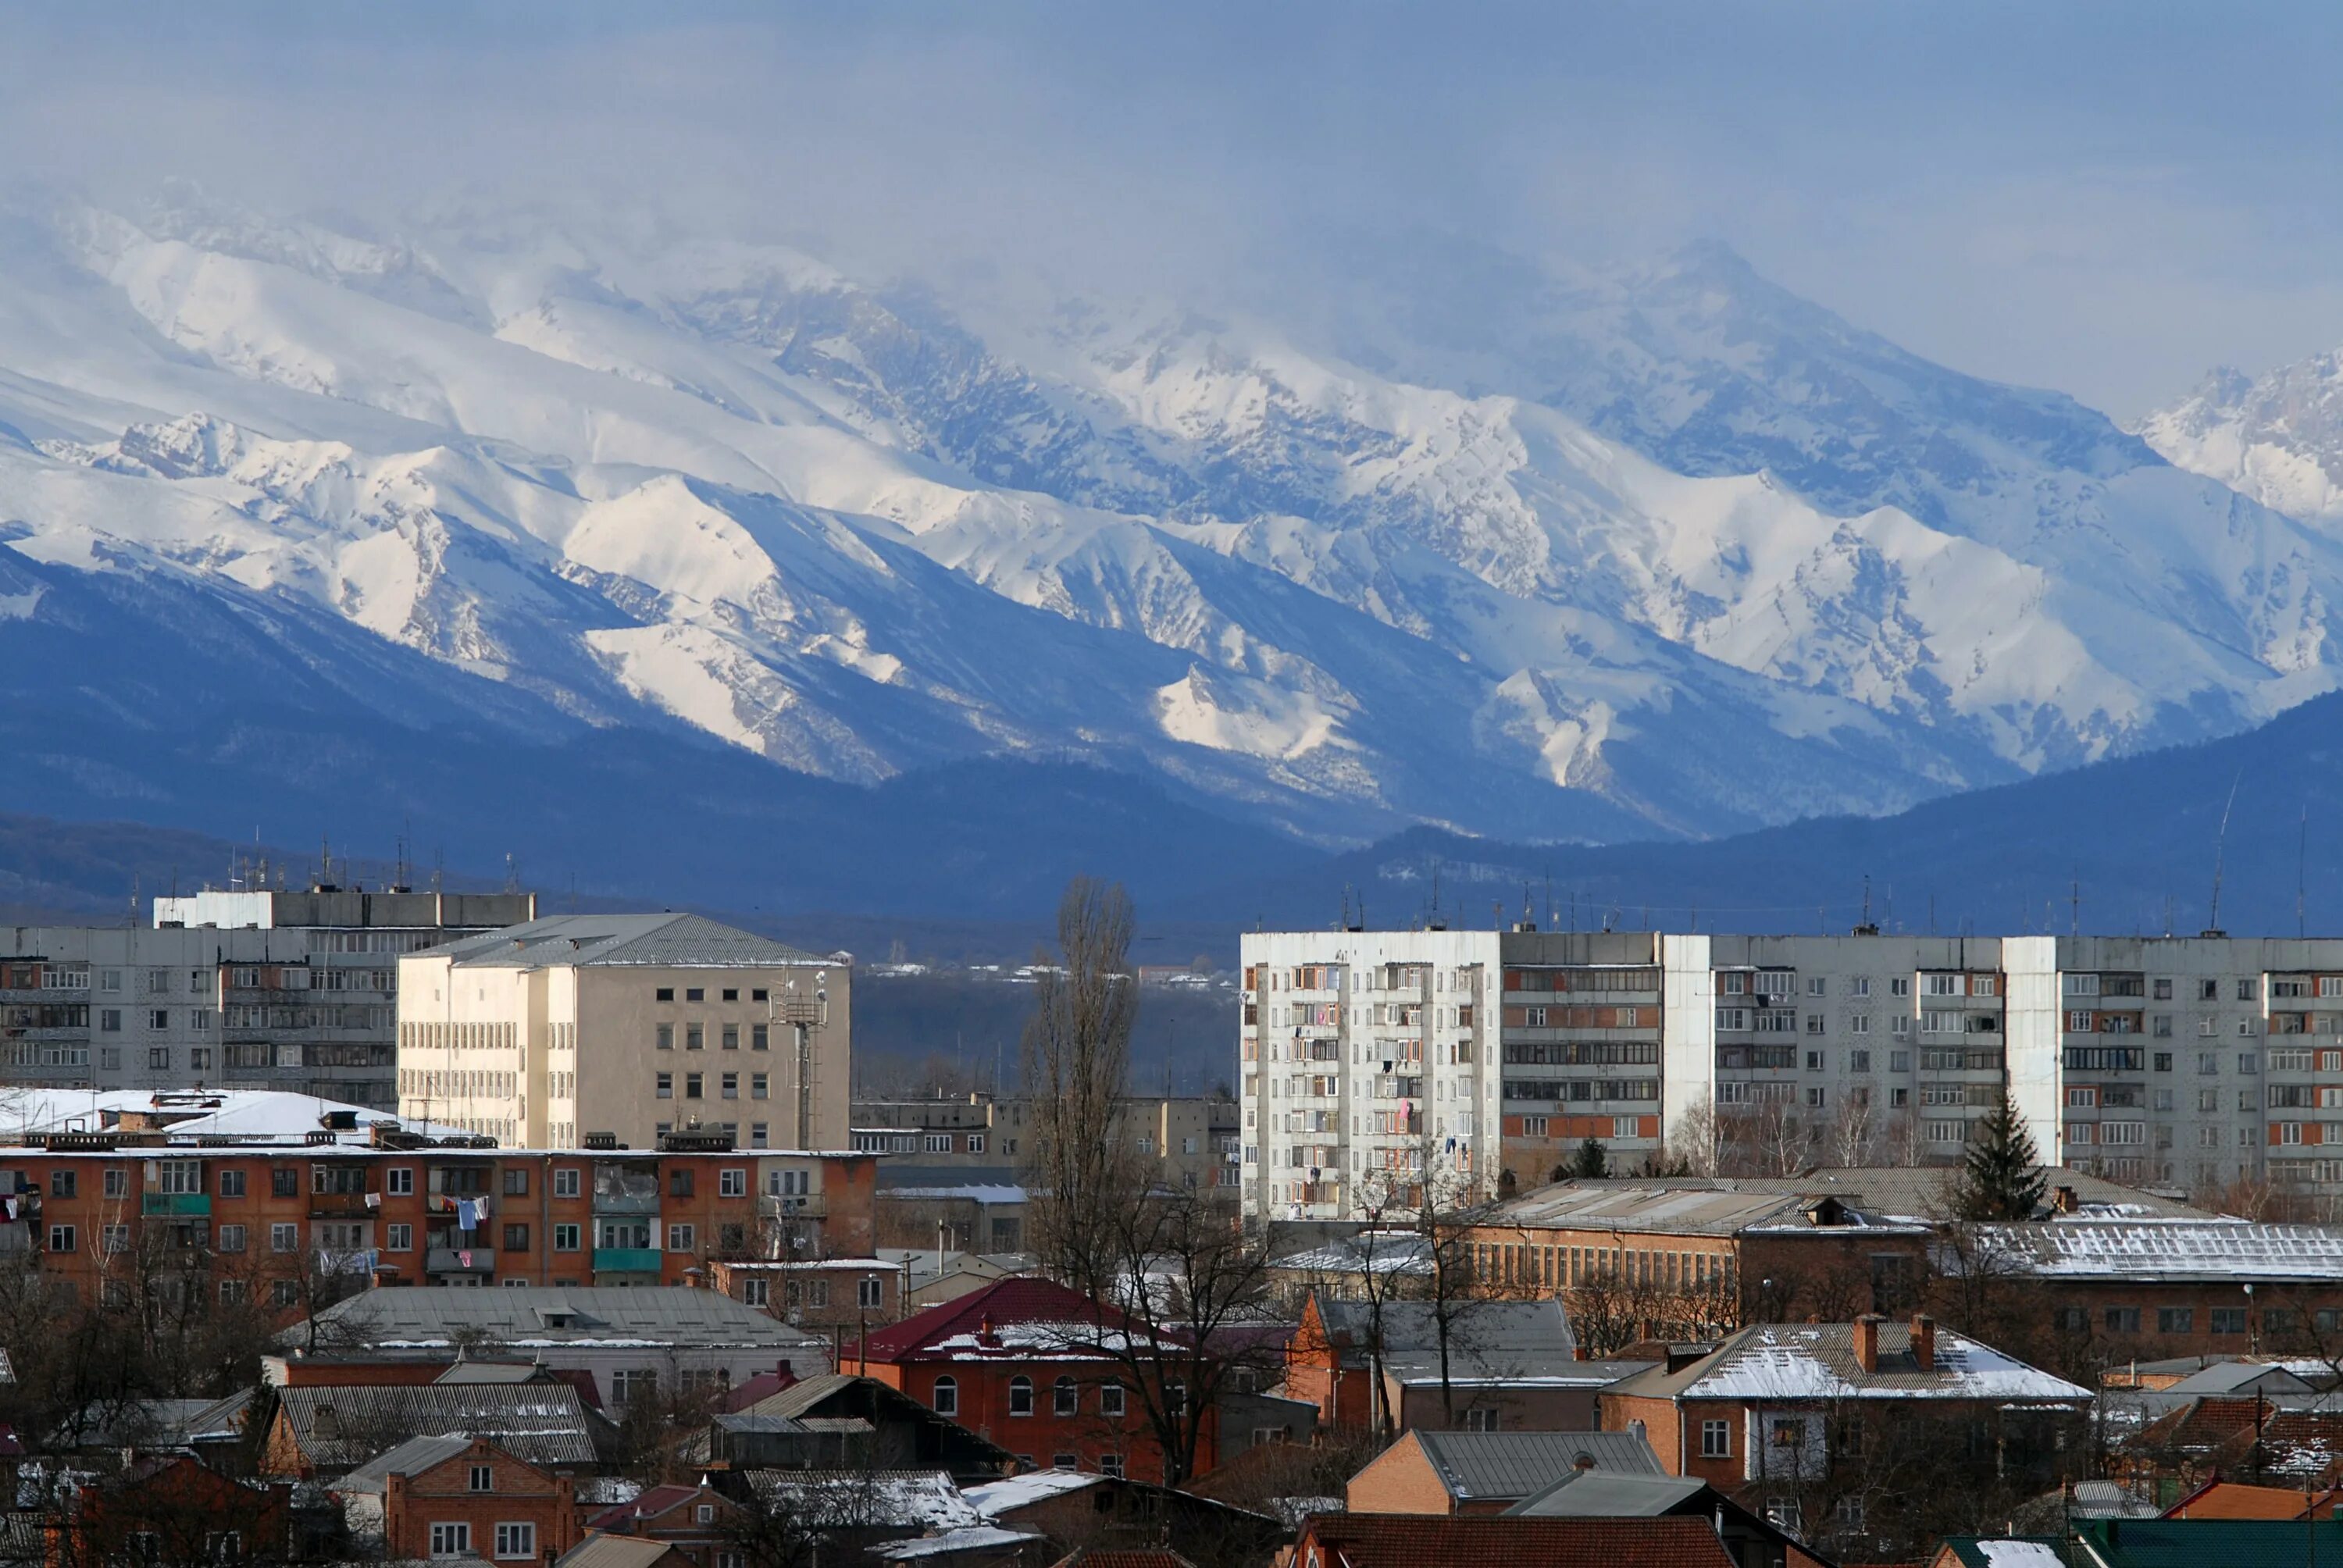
pixel 627 1026
pixel 2192 1062
pixel 119 1214
pixel 1187 1141
pixel 293 990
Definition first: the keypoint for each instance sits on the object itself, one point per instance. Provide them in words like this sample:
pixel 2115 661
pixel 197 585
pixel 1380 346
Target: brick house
pixel 693 1519
pixel 171 1509
pixel 456 1496
pixel 846 1295
pixel 1512 1366
pixel 1481 1474
pixel 1411 1540
pixel 1786 1418
pixel 1017 1362
pixel 321 1432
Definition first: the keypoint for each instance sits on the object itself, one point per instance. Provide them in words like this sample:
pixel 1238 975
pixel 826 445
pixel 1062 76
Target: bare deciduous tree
pixel 1076 1062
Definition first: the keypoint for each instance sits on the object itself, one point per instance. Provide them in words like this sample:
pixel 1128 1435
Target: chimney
pixel 2064 1201
pixel 1924 1341
pixel 1867 1342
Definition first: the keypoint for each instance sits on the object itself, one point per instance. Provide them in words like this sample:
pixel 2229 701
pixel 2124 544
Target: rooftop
pixel 2195 1542
pixel 1672 1209
pixel 1816 1361
pixel 1412 1540
pixel 1507 1466
pixel 1010 1319
pixel 1902 1193
pixel 340 1428
pixel 2160 1250
pixel 413 1457
pixel 427 1317
pixel 656 941
pixel 245 1115
pixel 1489 1342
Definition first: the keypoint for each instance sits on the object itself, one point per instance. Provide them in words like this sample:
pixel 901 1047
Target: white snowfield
pixel 830 525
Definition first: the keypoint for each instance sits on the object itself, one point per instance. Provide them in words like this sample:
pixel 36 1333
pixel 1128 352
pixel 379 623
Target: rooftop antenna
pixel 512 872
pixel 438 867
pixel 1864 928
pixel 2167 914
pixel 1550 911
pixel 2220 852
pixel 2075 903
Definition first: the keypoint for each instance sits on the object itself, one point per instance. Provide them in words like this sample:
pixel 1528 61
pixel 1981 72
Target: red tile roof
pixel 1129 1557
pixel 1412 1540
pixel 1001 1304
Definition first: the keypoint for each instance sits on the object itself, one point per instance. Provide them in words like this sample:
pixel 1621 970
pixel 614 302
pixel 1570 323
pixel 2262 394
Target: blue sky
pixel 2106 199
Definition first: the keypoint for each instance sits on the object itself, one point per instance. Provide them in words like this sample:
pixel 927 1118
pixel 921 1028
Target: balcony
pixel 480 1260
pixel 621 1203
pixel 339 1206
pixel 626 1260
pixel 793 1206
pixel 179 1204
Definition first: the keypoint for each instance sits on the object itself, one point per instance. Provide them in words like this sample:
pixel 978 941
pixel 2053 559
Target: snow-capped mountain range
pixel 1654 552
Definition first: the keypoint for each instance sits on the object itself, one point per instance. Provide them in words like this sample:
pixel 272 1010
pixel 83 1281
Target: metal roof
pixel 1609 1495
pixel 341 1428
pixel 2158 1248
pixel 427 1317
pixel 1508 1342
pixel 1512 1465
pixel 413 1457
pixel 660 941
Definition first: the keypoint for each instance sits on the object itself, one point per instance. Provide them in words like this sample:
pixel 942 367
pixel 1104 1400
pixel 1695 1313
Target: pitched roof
pixel 649 1503
pixel 660 941
pixel 2007 1551
pixel 995 1498
pixel 2153 1249
pixel 2234 1377
pixel 989 1538
pixel 412 1457
pixel 1123 1557
pixel 1412 1540
pixel 1672 1209
pixel 1609 1495
pixel 2236 1500
pixel 1015 1318
pixel 341 1428
pixel 1918 1192
pixel 1816 1361
pixel 620 1551
pixel 919 1499
pixel 2228 1430
pixel 1511 1342
pixel 2193 1542
pixel 1511 1465
pixel 424 1317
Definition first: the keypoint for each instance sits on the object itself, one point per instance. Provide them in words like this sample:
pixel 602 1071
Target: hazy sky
pixel 2103 198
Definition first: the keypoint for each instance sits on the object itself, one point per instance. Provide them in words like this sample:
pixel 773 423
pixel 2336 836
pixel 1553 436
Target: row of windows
pixel 728 1036
pixel 2183 1320
pixel 727 1086
pixel 699 993
pixel 1065 1397
pixel 757 1292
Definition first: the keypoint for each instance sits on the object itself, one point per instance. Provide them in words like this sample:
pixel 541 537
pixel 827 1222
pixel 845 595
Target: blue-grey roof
pixel 413 1457
pixel 1499 1466
pixel 1609 1495
pixel 661 941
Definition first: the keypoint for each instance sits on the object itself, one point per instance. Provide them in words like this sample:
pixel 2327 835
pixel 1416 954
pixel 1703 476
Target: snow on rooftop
pixel 256 1113
pixel 995 1498
pixel 2020 1554
pixel 967 1538
pixel 2221 1248
pixel 1798 1361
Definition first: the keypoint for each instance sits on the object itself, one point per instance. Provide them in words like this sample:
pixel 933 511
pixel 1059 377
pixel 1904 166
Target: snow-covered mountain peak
pixel 2279 439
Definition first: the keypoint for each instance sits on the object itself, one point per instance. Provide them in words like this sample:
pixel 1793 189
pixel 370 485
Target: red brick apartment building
pixel 1013 1363
pixel 108 1215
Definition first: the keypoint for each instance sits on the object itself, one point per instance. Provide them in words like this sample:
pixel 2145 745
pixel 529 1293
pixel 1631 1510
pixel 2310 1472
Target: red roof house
pixel 1032 1366
pixel 1412 1540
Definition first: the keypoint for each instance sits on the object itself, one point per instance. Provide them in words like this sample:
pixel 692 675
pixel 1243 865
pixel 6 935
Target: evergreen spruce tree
pixel 1591 1161
pixel 2001 1178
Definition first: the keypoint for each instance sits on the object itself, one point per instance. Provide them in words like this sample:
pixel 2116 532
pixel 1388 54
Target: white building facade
pixel 2189 1062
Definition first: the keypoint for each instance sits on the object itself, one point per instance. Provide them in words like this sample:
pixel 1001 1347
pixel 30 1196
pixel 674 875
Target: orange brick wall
pixel 1400 1480
pixel 442 1494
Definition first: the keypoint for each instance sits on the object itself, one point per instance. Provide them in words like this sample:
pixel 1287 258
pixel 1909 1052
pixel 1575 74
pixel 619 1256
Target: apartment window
pixel 756 1293
pixel 692 1086
pixel 695 1036
pixel 2229 1319
pixel 1021 1395
pixel 947 1396
pixel 758 1133
pixel 398 1238
pixel 760 1035
pixel 1899 985
pixel 2122 1319
pixel 1814 1094
pixel 565 1182
pixel 1716 1439
pixel 1110 1399
pixel 2176 1320
pixel 1899 1061
pixel 2208 991
pixel 63 1239
pixel 109 1020
pixel 1064 1398
pixel 516 1181
pixel 694 993
pixel 664 1085
pixel 565 1238
pixel 399 1181
pixel 483 1478
pixel 939 1142
pixel 517 1540
pixel 868 1292
pixel 515 1237
pixel 1859 1062
pixel 1814 1023
pixel 680 1182
pixel 116 1181
pixel 64 1183
pixel 231 1238
pixel 159 1018
pixel 665 993
pixel 729 1086
pixel 2246 991
pixel 284 1237
pixel 1110 1464
pixel 682 1238
pixel 451 1539
pixel 663 1036
pixel 284 1292
pixel 732 1184
pixel 730 1038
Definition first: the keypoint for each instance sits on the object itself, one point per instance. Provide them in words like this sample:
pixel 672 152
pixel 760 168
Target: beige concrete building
pixel 562 1031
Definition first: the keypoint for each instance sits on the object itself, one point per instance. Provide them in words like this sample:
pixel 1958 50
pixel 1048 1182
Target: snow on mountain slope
pixel 836 525
pixel 2279 440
